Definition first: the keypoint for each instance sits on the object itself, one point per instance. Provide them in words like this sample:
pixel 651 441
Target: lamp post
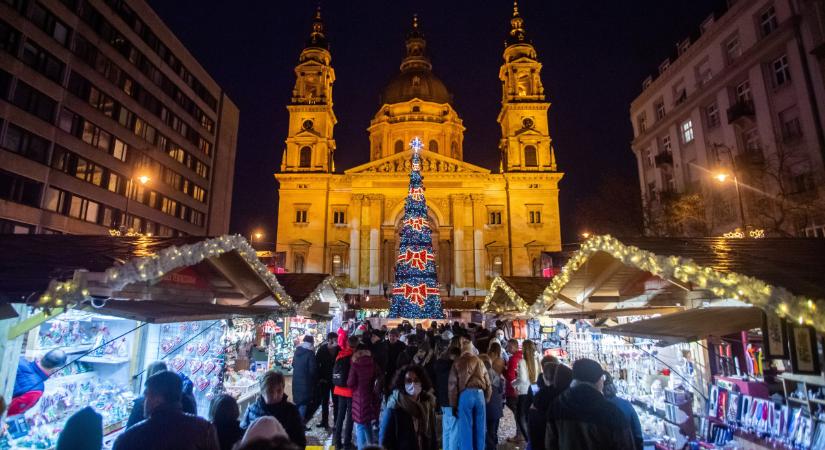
pixel 722 177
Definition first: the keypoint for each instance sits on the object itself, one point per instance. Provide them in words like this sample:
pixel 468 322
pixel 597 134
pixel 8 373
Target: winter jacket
pixel 398 430
pixel 406 357
pixel 286 413
pixel 630 414
pixel 364 380
pixel 582 419
pixel 345 353
pixel 379 352
pixel 468 372
pixel 229 433
pixel 442 368
pixel 187 402
pixel 169 428
pixel 304 382
pixel 325 361
pixel 28 386
pixel 393 352
pixel 83 431
pixel 495 405
pixel 537 417
pixel 511 374
pixel 523 381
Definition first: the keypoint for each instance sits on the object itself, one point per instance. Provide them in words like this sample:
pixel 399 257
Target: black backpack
pixel 340 371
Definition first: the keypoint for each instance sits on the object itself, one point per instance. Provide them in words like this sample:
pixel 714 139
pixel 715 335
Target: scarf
pixel 420 411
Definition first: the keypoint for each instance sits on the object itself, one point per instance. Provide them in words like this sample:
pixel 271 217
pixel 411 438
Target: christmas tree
pixel 415 290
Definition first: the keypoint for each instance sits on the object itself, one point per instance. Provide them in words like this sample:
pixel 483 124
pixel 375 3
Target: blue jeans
pixel 472 418
pixel 449 429
pixel 364 435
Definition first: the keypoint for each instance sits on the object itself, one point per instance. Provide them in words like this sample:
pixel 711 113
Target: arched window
pixel 305 157
pixel 433 145
pixel 299 263
pixel 454 149
pixel 530 157
pixel 399 146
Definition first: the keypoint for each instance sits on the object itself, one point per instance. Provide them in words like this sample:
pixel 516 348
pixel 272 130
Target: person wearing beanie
pixel 304 377
pixel 83 431
pixel 581 418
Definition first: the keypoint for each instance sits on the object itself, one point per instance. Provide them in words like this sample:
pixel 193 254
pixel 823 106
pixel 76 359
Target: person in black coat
pixel 224 413
pixel 555 379
pixel 187 399
pixel 325 359
pixel 379 349
pixel 394 349
pixel 83 431
pixel 273 402
pixel 304 381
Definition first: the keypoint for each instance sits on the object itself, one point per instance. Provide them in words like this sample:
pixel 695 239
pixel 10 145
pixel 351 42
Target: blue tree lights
pixel 415 290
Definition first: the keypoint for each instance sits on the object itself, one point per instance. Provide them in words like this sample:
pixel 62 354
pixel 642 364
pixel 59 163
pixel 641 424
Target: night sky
pixel 595 56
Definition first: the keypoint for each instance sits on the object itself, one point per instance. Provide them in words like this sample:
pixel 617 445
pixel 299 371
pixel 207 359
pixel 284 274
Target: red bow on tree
pixel 417 259
pixel 417 223
pixel 415 294
pixel 417 193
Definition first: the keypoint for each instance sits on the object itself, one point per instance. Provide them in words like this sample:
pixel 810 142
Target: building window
pixel 11 227
pixel 305 157
pixel 301 216
pixel 767 21
pixel 33 101
pixel 665 144
pixel 679 92
pixel 750 139
pixel 530 157
pixel 338 265
pixel 791 127
pixel 703 72
pixel 19 189
pixel 781 71
pixel 495 218
pixel 26 144
pixel 659 106
pixel 641 121
pixel 534 216
pixel 712 115
pixel 42 61
pixel 651 159
pixel 339 217
pixel 743 92
pixel 687 131
pixel 399 146
pixel 800 183
pixel 733 48
pixel 433 145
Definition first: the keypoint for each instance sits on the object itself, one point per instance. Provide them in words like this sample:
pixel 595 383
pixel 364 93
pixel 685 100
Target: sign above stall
pixel 186 276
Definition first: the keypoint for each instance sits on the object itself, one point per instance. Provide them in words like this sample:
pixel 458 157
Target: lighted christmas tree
pixel 415 290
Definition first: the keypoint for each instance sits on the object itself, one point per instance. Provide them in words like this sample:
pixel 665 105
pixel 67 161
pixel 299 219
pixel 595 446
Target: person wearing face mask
pixel 273 402
pixel 408 422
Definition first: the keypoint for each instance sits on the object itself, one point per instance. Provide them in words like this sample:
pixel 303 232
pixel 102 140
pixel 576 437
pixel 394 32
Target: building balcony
pixel 740 110
pixel 664 159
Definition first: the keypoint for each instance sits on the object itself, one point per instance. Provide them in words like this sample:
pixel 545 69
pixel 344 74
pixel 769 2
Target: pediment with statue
pixel 430 162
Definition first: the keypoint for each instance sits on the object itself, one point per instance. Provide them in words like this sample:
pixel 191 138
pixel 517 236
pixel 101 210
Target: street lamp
pixel 585 234
pixel 722 177
pixel 257 236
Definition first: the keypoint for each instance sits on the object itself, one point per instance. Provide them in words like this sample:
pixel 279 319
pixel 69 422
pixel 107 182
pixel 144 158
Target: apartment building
pixel 107 122
pixel 729 133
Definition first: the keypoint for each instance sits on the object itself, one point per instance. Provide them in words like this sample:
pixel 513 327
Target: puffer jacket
pixel 366 388
pixel 582 419
pixel 468 372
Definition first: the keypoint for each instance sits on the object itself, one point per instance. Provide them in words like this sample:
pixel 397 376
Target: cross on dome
pixel 416 144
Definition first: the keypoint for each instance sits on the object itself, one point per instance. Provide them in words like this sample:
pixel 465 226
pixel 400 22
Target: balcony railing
pixel 740 110
pixel 664 159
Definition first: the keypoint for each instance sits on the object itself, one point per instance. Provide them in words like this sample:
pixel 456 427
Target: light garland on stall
pixel 499 283
pixel 732 285
pixel 64 293
pixel 315 296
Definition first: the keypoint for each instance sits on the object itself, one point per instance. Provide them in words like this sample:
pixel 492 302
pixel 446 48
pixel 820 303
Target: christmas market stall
pixel 114 305
pixel 715 341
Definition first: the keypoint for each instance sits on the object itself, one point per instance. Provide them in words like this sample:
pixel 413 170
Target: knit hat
pixel 587 370
pixel 266 427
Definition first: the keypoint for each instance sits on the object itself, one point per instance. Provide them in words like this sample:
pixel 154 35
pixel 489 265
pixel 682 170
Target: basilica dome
pixel 418 83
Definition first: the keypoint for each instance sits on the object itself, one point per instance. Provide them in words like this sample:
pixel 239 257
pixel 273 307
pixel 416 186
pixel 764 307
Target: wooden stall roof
pixel 514 295
pixel 300 285
pixel 614 312
pixel 169 312
pixel 692 324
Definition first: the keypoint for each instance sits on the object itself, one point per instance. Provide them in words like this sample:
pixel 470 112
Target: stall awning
pixel 692 325
pixel 515 295
pixel 169 312
pixel 615 312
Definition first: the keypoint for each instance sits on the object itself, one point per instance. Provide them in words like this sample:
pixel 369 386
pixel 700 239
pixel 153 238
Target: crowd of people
pixel 406 388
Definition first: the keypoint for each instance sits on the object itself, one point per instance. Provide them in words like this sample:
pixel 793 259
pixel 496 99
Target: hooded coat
pixel 364 380
pixel 582 419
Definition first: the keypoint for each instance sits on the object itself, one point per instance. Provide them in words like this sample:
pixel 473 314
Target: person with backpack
pixel 340 375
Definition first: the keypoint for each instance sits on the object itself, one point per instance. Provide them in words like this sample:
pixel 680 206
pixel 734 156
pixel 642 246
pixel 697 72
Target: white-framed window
pixel 733 48
pixel 703 72
pixel 712 115
pixel 665 145
pixel 300 216
pixel 679 92
pixel 687 131
pixel 743 92
pixel 767 21
pixel 339 217
pixel 750 139
pixel 781 71
pixel 659 106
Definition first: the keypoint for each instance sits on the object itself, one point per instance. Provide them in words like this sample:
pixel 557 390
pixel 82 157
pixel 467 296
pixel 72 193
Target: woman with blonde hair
pixel 494 352
pixel 528 373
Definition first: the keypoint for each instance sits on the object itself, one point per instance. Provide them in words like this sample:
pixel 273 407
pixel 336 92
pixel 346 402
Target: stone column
pixel 355 240
pixel 479 216
pixel 457 207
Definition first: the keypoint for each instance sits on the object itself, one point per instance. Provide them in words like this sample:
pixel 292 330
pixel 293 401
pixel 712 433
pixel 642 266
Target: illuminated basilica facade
pixel 484 223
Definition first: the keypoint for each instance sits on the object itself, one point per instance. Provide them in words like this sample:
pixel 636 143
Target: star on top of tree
pixel 416 144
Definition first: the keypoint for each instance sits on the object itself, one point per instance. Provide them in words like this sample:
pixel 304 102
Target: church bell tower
pixel 525 139
pixel 310 144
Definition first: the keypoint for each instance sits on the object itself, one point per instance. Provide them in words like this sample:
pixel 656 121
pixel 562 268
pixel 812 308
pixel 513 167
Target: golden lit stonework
pixel 483 224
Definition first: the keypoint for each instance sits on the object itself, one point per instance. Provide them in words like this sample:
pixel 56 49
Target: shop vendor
pixel 31 375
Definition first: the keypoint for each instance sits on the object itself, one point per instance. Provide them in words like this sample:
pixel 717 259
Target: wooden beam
pixel 614 266
pixel 569 300
pixel 258 298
